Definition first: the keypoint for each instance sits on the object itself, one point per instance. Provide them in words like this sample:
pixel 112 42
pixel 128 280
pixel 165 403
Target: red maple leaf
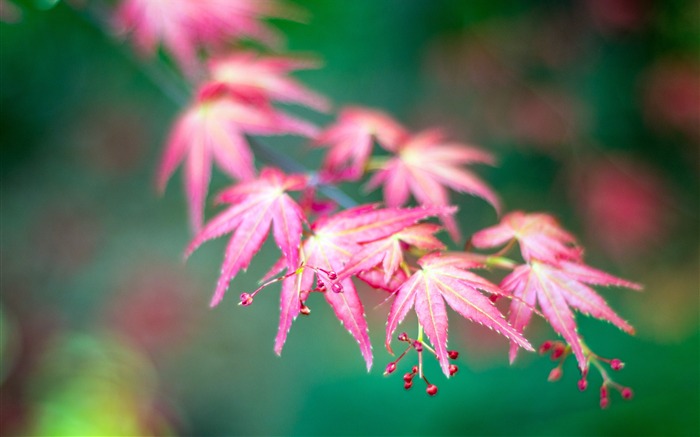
pixel 257 205
pixel 428 289
pixel 214 129
pixel 557 288
pixel 333 242
pixel 252 76
pixel 540 237
pixel 350 141
pixel 426 166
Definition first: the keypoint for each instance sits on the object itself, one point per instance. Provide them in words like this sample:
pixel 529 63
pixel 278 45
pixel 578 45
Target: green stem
pixel 500 262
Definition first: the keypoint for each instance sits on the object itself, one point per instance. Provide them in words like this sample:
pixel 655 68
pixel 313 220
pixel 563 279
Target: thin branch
pixel 171 84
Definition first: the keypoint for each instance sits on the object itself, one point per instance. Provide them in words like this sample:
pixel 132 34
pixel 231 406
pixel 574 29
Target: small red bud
pixel 407 385
pixel 616 364
pixel 627 393
pixel 304 310
pixel 408 377
pixel 390 368
pixel 246 299
pixel 320 285
pixel 558 351
pixel 403 337
pixel 544 347
pixel 453 354
pixel 332 275
pixel 418 346
pixel 431 389
pixel 555 374
pixel 582 384
pixel 604 401
pixel 453 369
pixel 336 287
pixel 414 370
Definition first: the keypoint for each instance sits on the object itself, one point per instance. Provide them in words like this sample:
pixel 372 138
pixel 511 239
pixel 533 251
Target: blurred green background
pixel 592 108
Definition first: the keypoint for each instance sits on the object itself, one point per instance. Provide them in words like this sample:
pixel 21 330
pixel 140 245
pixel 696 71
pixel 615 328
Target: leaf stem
pixel 500 262
pixel 420 354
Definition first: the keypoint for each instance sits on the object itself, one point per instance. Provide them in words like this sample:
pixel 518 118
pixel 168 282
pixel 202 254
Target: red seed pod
pixel 403 337
pixel 246 299
pixel 431 389
pixel 544 347
pixel 627 393
pixel 337 288
pixel 407 385
pixel 332 275
pixel 453 354
pixel 453 369
pixel 582 384
pixel 414 370
pixel 418 346
pixel 555 374
pixel 304 310
pixel 408 377
pixel 390 368
pixel 616 364
pixel 604 403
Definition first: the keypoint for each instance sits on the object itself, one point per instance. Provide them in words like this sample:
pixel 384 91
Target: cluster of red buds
pixel 560 351
pixel 325 278
pixel 417 370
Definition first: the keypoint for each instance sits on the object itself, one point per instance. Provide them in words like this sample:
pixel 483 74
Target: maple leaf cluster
pixel 183 27
pixel 393 248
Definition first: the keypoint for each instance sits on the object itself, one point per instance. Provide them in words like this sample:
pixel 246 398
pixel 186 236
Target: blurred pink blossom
pixel 624 204
pixel 9 12
pixel 153 307
pixel 612 16
pixel 547 119
pixel 111 141
pixel 672 97
pixel 65 238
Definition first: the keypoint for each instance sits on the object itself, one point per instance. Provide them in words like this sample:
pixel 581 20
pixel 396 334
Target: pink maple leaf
pixel 257 205
pixel 557 288
pixel 387 252
pixel 266 77
pixel 350 141
pixel 182 26
pixel 376 278
pixel 425 166
pixel 540 237
pixel 436 283
pixel 213 129
pixel 333 241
